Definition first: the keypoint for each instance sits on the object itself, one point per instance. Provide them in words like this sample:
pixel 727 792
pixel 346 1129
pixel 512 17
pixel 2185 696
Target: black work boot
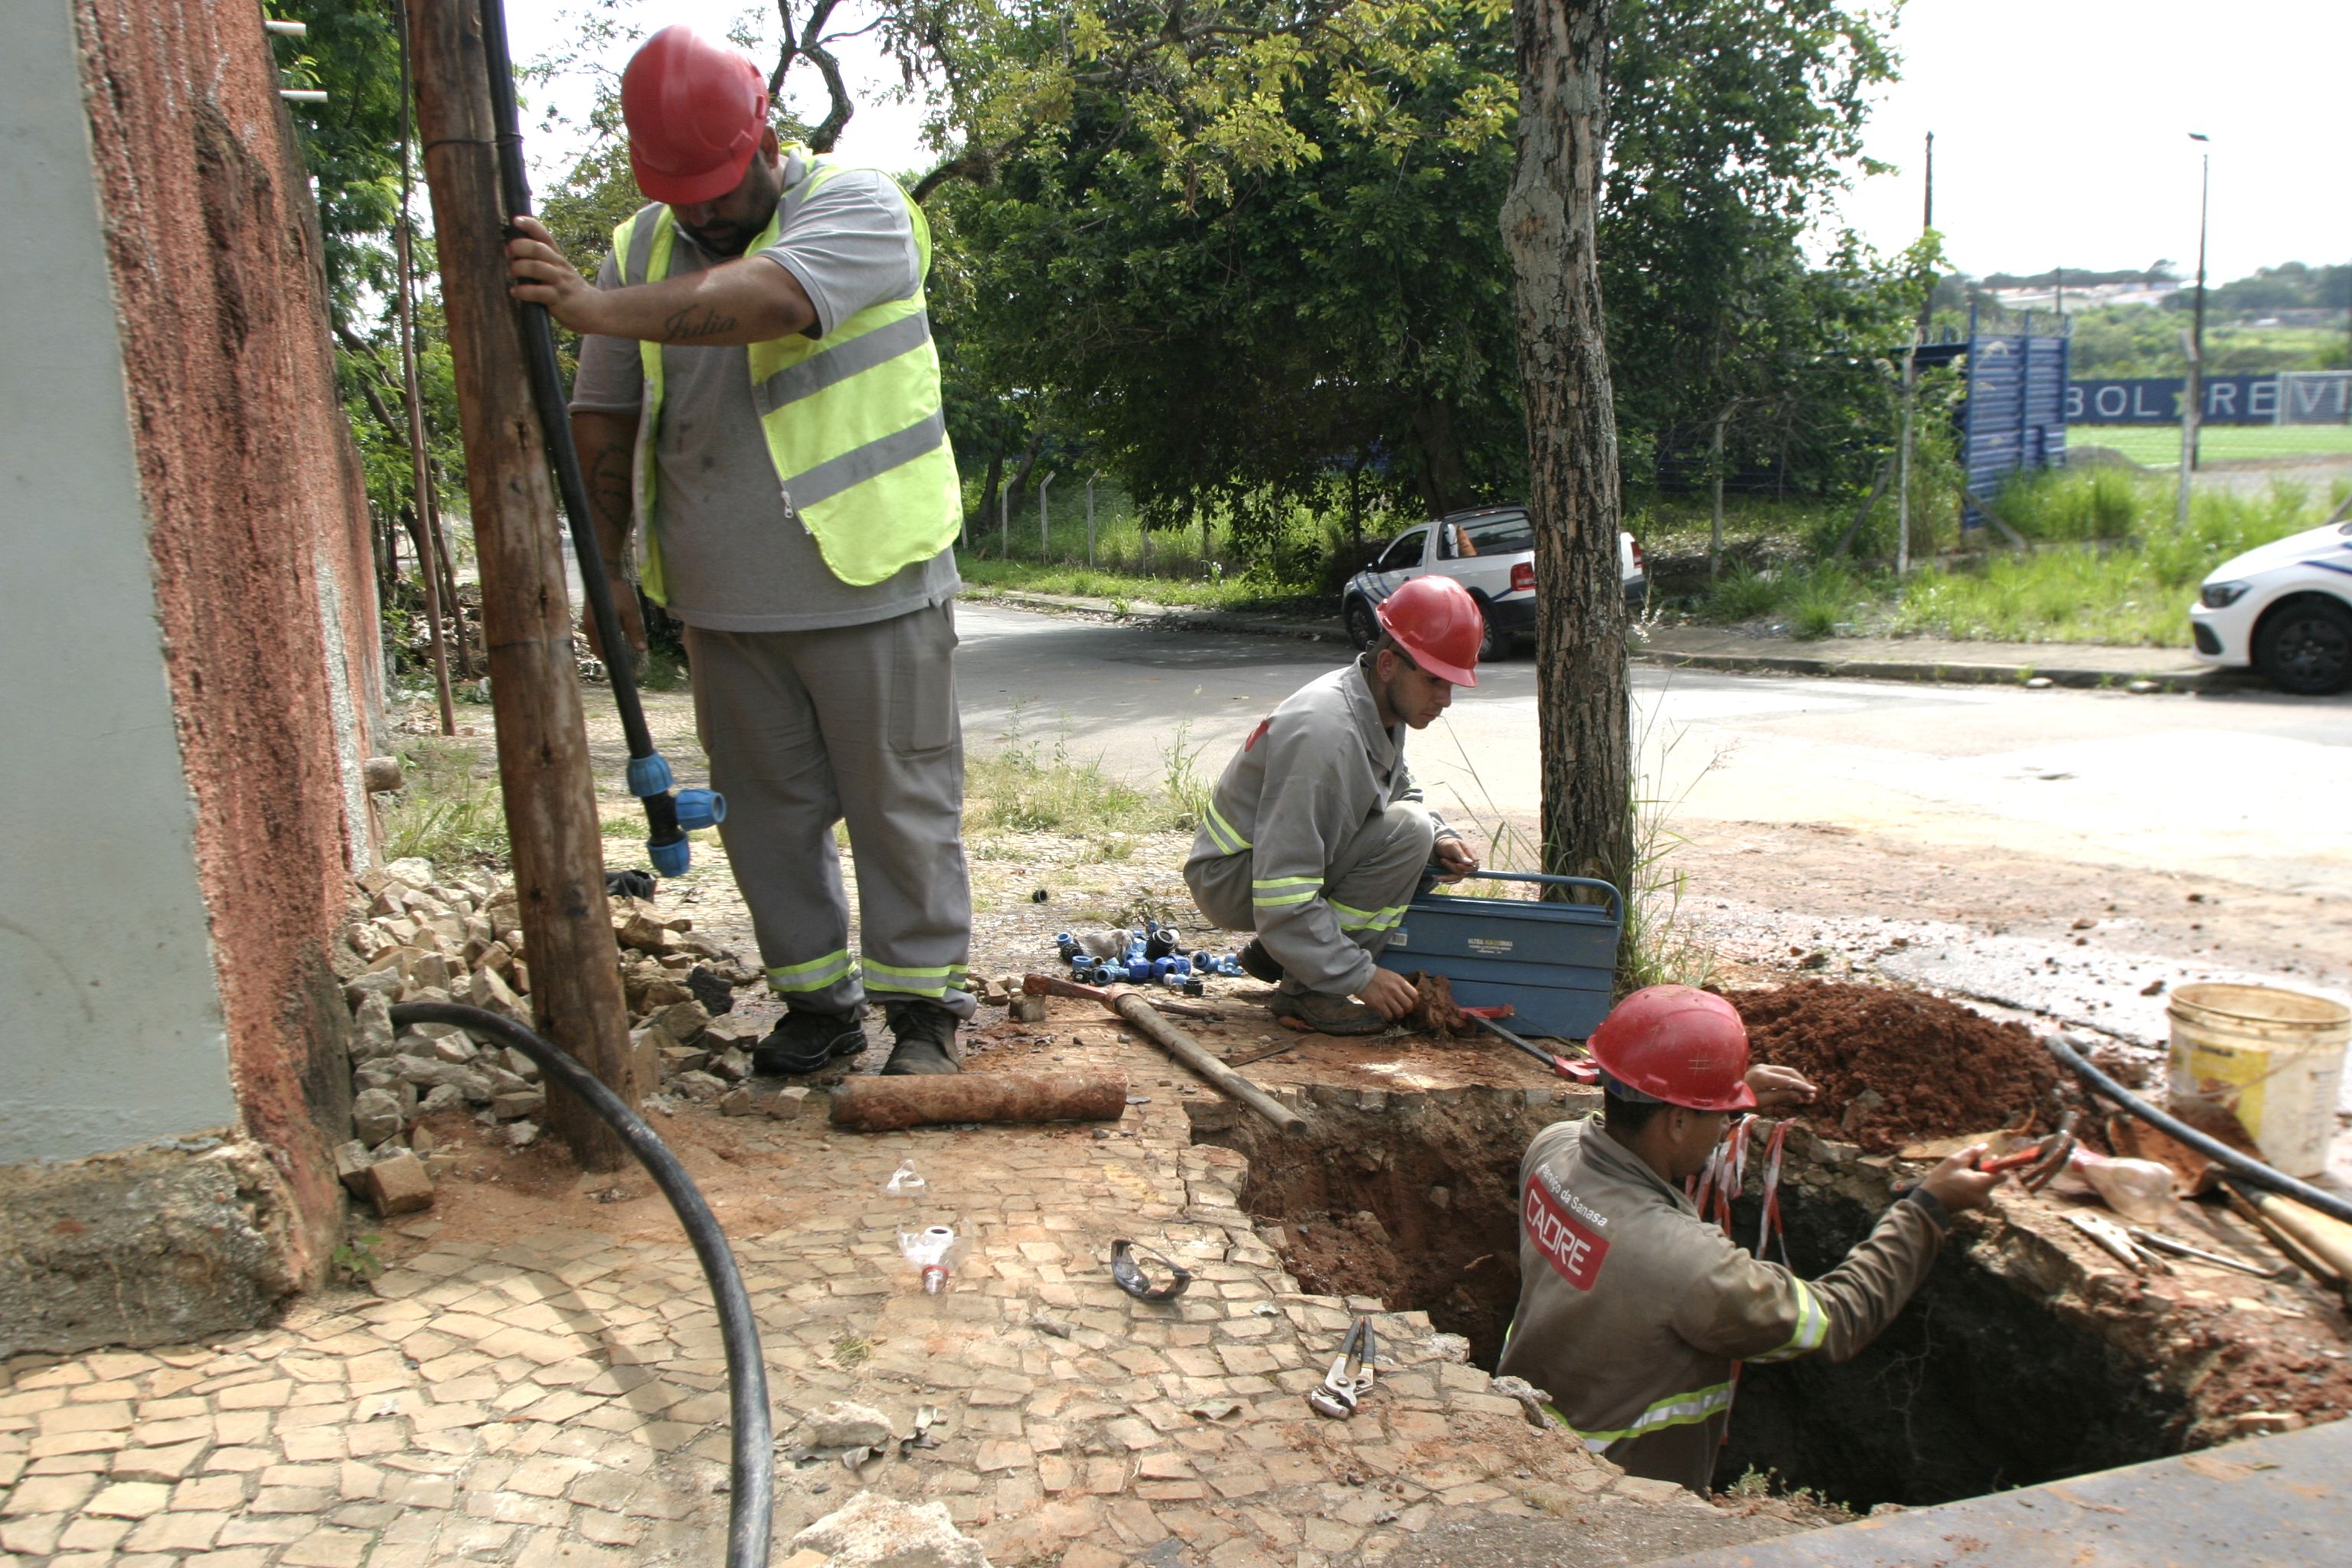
pixel 803 1041
pixel 1258 964
pixel 925 1039
pixel 1327 1015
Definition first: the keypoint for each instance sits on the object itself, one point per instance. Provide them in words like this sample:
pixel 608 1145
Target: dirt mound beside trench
pixel 1895 1066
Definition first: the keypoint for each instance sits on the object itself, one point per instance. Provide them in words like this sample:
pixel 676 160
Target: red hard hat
pixel 1436 621
pixel 695 112
pixel 1678 1043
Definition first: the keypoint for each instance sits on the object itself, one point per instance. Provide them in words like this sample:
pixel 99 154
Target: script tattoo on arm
pixel 683 326
pixel 608 489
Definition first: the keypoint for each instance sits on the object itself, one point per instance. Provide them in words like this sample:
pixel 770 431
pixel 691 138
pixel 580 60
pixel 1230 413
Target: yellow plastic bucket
pixel 2273 1058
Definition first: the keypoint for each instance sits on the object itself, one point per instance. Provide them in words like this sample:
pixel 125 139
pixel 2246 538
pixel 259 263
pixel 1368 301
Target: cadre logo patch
pixel 1574 1249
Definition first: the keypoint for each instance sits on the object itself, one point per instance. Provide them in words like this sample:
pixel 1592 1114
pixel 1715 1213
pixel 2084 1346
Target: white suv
pixel 1491 550
pixel 2285 608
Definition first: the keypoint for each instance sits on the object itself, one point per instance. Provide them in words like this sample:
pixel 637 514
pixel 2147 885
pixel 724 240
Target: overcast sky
pixel 2061 127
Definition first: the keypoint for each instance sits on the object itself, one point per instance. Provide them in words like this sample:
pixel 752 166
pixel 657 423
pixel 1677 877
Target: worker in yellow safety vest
pixel 1632 1310
pixel 758 403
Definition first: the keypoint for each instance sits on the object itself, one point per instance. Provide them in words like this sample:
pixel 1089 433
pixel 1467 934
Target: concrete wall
pixel 187 624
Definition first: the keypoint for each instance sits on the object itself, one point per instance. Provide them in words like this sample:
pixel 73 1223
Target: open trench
pixel 1990 1378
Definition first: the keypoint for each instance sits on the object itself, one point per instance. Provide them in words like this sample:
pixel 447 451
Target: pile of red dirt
pixel 1896 1066
pixel 1433 1010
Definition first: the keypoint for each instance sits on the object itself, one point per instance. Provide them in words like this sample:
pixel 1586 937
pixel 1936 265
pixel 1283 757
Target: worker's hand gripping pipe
pixel 669 817
pixel 751 1500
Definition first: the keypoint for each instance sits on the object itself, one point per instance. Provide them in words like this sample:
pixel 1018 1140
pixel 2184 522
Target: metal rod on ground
pixel 1131 1006
pixel 751 1491
pixel 421 491
pixel 890 1104
pixel 2250 1171
pixel 1052 986
pixel 543 738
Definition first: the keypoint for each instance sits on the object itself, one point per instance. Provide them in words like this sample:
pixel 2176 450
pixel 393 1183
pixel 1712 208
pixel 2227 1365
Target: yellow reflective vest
pixel 854 419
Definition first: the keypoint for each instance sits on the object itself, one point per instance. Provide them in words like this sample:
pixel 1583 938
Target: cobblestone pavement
pixel 556 1395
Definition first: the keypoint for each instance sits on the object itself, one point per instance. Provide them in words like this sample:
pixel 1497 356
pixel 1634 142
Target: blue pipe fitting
pixel 649 776
pixel 1139 970
pixel 698 808
pixel 671 859
pixel 1103 975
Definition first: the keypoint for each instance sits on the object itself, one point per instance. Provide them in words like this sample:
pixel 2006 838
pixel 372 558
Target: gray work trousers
pixel 856 724
pixel 1371 878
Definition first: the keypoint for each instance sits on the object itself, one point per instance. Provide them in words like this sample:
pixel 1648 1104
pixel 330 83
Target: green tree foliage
pixel 1329 316
pixel 350 144
pixel 1730 122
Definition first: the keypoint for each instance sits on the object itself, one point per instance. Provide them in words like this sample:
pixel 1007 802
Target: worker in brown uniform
pixel 1632 1310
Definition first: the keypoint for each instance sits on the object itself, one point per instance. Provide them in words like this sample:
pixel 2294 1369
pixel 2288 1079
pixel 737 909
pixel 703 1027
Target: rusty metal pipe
pixel 889 1104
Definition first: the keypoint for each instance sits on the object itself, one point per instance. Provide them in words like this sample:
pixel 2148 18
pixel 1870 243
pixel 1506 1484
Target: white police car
pixel 1491 550
pixel 2285 608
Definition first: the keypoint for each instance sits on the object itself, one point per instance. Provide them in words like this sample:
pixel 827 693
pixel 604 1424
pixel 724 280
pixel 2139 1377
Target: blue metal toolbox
pixel 1555 963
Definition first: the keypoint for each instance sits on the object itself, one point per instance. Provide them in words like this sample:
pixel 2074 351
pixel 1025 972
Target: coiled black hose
pixel 752 1503
pixel 2253 1173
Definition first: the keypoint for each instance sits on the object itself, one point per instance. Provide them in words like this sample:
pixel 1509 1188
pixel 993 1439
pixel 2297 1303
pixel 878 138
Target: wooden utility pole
pixel 1583 692
pixel 543 769
pixel 420 491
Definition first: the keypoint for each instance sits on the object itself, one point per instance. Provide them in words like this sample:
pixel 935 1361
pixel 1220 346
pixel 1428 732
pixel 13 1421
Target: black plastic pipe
pixel 752 1501
pixel 555 420
pixel 2251 1172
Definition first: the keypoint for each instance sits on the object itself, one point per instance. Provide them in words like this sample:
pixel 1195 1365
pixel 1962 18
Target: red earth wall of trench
pixel 258 524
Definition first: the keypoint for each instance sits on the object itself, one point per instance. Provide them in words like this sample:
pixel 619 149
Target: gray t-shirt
pixel 735 557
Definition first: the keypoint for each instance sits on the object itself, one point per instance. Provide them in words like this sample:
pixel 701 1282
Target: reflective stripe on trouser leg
pixel 1373 876
pixel 759 727
pixel 885 696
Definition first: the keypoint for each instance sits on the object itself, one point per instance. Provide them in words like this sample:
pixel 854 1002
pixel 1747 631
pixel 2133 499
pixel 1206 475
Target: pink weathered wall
pixel 258 526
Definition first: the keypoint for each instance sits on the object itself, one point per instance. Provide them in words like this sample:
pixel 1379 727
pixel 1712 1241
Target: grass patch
pixel 2158 446
pixel 448 811
pixel 983 576
pixel 2109 568
pixel 1025 787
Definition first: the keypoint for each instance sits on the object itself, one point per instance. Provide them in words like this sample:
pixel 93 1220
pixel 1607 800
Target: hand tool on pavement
pixel 1351 1377
pixel 1053 985
pixel 886 1104
pixel 2163 1243
pixel 1574 1071
pixel 1129 1275
pixel 2113 1240
pixel 1131 1006
pixel 2323 1239
pixel 2037 1163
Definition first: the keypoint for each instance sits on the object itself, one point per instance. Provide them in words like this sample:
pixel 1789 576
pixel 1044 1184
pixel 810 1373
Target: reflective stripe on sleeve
pixel 1222 832
pixel 1353 919
pixel 1813 1327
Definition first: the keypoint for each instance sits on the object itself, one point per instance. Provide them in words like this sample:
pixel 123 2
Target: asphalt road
pixel 2245 786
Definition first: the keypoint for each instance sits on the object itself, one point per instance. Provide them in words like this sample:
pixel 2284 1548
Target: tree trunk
pixel 988 486
pixel 1442 483
pixel 1582 687
pixel 542 737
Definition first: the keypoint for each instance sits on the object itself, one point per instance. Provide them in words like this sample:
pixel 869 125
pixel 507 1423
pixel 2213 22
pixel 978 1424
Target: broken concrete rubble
pixel 875 1532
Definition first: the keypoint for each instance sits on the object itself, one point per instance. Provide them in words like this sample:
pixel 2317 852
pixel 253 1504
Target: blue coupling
pixel 671 859
pixel 1139 970
pixel 1103 975
pixel 649 776
pixel 698 808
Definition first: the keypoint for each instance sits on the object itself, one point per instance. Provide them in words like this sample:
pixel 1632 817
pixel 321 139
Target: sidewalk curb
pixel 1945 671
pixel 1948 671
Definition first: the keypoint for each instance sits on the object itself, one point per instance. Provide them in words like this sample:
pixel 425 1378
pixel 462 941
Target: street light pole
pixel 2196 384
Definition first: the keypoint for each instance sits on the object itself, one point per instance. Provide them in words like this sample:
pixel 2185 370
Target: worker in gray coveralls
pixel 758 402
pixel 1315 837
